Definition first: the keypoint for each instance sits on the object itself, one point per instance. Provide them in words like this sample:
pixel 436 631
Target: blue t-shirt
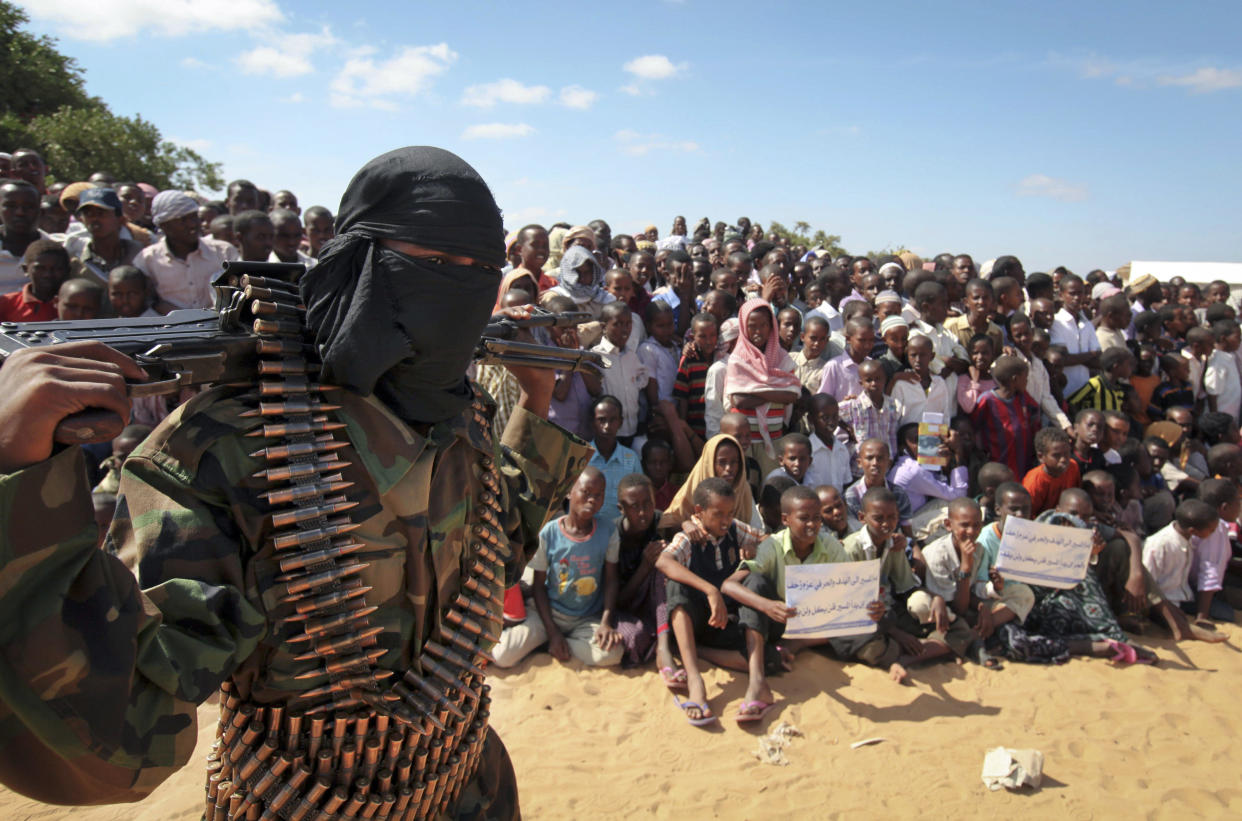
pixel 622 463
pixel 575 567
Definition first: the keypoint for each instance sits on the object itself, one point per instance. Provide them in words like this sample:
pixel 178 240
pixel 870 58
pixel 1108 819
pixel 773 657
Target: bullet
pixel 422 706
pixel 323 443
pixel 350 810
pixel 240 719
pixel 305 606
pixel 277 327
pixel 289 408
pixel 327 577
pixel 371 757
pixel 301 560
pixel 432 692
pixel 264 783
pixel 293 383
pixel 299 470
pixel 260 307
pixel 465 603
pixel 285 366
pixel 480 569
pixel 440 672
pixel 286 793
pixel 336 527
pixel 488 515
pixel 374 802
pixel 279 430
pixel 307 805
pixel 339 644
pixel 348 684
pixel 300 493
pixel 313 628
pixel 461 640
pixel 485 533
pixel 466 623
pixel 485 553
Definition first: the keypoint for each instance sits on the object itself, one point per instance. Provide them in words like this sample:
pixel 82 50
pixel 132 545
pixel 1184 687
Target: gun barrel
pixel 505 352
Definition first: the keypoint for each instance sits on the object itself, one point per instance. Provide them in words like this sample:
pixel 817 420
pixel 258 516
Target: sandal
pixel 744 717
pixel 706 716
pixel 980 655
pixel 1125 654
pixel 674 679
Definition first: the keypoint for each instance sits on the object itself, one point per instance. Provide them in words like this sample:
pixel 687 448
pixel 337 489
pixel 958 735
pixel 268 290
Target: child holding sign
pixel 758 585
pixel 897 645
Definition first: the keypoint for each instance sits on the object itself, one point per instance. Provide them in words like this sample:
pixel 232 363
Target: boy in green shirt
pixel 758 586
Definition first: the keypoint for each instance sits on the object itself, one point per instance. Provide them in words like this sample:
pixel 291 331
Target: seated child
pixel 738 426
pixel 874 460
pixel 642 620
pixel 962 580
pixel 991 476
pixel 1055 472
pixel 657 459
pixel 611 458
pixel 575 586
pixel 769 503
pixel 1006 417
pixel 1168 554
pixel 79 298
pixel 896 645
pixel 758 586
pixel 834 515
pixel 698 612
pixel 830 457
pixel 872 414
pixel 1212 553
pixel 794 452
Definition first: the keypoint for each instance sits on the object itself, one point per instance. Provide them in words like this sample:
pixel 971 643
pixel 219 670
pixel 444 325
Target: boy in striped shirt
pixel 1006 418
pixel 697 357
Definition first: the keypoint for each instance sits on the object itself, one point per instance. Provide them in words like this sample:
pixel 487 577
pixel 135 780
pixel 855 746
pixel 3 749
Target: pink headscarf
pixel 751 370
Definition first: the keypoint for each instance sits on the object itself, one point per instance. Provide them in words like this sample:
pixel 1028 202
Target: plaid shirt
pixel 870 422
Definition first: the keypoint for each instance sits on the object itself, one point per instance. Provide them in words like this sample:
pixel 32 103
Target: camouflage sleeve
pixel 79 723
pixel 539 462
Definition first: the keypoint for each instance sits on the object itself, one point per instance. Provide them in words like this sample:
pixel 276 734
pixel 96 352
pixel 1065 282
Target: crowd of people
pixel 761 408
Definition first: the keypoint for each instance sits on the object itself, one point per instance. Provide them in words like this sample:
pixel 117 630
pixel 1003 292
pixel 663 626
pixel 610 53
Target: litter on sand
pixel 1012 769
pixel 866 742
pixel 772 746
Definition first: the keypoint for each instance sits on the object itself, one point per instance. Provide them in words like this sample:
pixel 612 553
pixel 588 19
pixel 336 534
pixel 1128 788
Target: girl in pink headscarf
pixel 760 382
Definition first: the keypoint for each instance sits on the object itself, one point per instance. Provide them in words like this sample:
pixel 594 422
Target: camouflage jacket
pixel 101 674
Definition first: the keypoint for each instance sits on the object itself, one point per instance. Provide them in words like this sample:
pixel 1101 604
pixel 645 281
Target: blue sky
pixel 1084 134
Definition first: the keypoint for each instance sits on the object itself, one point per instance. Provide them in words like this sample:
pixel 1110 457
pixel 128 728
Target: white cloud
pixel 497 131
pixel 196 144
pixel 576 96
pixel 1148 72
pixel 653 67
pixel 295 97
pixel 289 55
pixel 1041 185
pixel 194 63
pixel 638 145
pixel 363 80
pixel 1205 80
pixel 506 90
pixel 103 20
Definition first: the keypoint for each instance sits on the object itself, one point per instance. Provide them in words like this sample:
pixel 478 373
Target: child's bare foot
pixel 899 674
pixel 1203 634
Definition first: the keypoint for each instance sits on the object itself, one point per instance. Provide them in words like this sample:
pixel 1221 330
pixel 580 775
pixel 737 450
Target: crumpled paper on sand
pixel 1003 767
pixel 772 746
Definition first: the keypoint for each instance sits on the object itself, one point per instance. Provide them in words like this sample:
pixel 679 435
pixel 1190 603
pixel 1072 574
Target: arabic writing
pixel 831 599
pixel 1044 554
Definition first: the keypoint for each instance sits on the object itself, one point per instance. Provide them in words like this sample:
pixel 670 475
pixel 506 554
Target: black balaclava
pixel 393 325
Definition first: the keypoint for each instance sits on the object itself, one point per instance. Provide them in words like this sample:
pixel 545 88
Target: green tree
pixel 801 235
pixel 44 105
pixel 37 79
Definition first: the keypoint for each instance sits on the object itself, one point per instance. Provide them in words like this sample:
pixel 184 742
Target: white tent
pixel 1197 272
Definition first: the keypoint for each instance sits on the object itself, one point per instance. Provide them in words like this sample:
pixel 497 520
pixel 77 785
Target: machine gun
pixel 222 346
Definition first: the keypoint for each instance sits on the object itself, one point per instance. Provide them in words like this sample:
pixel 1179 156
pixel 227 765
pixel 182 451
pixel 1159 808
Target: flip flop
pixel 743 717
pixel 674 679
pixel 980 655
pixel 702 720
pixel 1126 654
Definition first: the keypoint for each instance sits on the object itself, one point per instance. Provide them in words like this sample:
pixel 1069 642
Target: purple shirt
pixel 919 483
pixel 571 414
pixel 841 378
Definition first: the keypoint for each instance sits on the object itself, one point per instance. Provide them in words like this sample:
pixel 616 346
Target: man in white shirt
pixel 182 264
pixel 1073 330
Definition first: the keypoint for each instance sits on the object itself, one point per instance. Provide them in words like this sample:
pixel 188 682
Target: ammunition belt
pixel 353 746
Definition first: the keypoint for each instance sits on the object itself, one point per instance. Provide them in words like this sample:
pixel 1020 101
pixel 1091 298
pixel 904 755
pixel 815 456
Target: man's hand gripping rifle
pixel 199 347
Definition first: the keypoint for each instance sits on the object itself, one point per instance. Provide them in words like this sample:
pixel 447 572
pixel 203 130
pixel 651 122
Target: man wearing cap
pixel 102 247
pixel 182 264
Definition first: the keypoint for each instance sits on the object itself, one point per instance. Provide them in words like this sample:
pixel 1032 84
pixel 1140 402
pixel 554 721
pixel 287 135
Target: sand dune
pixel 1137 742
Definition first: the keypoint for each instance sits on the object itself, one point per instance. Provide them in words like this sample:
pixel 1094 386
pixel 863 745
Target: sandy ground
pixel 1136 742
